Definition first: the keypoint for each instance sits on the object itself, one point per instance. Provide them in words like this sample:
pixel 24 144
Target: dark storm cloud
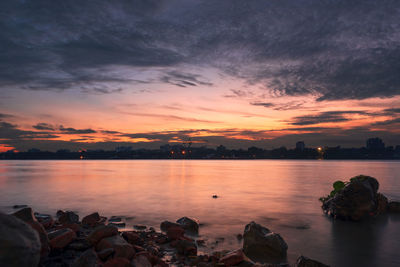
pixel 44 126
pixel 184 79
pixel 332 49
pixel 328 116
pixel 11 132
pixel 75 131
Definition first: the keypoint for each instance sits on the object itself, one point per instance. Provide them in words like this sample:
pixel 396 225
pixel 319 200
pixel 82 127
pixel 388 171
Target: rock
pixel 68 217
pixel 131 237
pixel 394 207
pixel 306 262
pixel 105 253
pixel 186 247
pixel 260 244
pixel 215 196
pixel 167 224
pixel 87 259
pixel 44 219
pixel 121 247
pixel 190 225
pixel 118 262
pixel 91 220
pixel 101 232
pixel 175 232
pixel 79 244
pixel 141 261
pixel 59 239
pixel 26 215
pixel 358 199
pixel 381 204
pixel 73 226
pixel 233 258
pixel 19 244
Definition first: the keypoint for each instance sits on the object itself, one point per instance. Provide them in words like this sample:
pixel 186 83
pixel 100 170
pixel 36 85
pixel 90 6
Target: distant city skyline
pixel 234 73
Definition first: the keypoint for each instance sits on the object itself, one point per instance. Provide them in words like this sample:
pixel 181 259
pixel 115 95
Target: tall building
pixel 375 144
pixel 300 145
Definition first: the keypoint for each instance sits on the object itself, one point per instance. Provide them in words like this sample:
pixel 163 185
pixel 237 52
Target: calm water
pixel 281 195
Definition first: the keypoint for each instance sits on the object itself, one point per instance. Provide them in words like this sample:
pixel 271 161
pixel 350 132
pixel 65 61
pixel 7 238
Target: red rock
pixel 105 253
pixel 73 226
pixel 101 232
pixel 122 248
pixel 117 262
pixel 27 216
pixel 87 259
pixel 167 224
pixel 232 258
pixel 68 217
pixel 132 237
pixel 175 232
pixel 59 239
pixel 45 220
pixel 91 219
pixel 138 248
pixel 141 260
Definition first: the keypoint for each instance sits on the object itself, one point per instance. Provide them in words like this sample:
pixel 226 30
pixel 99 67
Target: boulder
pixel 101 232
pixel 307 262
pixel 44 219
pixel 358 199
pixel 175 232
pixel 105 253
pixel 381 204
pixel 19 244
pixel 167 224
pixel 121 248
pixel 59 239
pixel 186 247
pixel 118 262
pixel 141 261
pixel 87 259
pixel 190 225
pixel 26 215
pixel 91 220
pixel 232 258
pixel 260 244
pixel 394 207
pixel 132 238
pixel 67 217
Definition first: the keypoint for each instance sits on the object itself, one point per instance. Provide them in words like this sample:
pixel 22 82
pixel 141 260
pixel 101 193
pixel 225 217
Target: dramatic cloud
pixel 76 131
pixel 44 126
pixel 183 79
pixel 331 49
pixel 323 117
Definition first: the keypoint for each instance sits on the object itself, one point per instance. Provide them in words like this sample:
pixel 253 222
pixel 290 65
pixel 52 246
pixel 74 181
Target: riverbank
pixel 65 240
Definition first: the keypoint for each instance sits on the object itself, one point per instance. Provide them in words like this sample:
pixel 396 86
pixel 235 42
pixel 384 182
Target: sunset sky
pixel 102 74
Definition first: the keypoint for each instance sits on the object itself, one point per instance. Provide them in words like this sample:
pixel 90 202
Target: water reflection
pixel 281 195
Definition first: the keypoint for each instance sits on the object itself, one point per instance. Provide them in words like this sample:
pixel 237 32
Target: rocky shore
pixel 357 199
pixel 32 239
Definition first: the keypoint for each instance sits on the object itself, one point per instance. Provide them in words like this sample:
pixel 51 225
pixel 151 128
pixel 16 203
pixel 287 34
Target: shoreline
pixel 99 241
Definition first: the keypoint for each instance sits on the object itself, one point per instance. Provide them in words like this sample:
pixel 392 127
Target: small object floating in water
pixel 214 196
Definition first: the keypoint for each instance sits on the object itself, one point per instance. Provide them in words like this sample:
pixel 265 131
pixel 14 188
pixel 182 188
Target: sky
pixel 101 74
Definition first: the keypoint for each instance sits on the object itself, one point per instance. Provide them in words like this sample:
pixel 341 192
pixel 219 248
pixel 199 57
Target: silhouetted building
pixel 375 144
pixel 123 149
pixel 300 145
